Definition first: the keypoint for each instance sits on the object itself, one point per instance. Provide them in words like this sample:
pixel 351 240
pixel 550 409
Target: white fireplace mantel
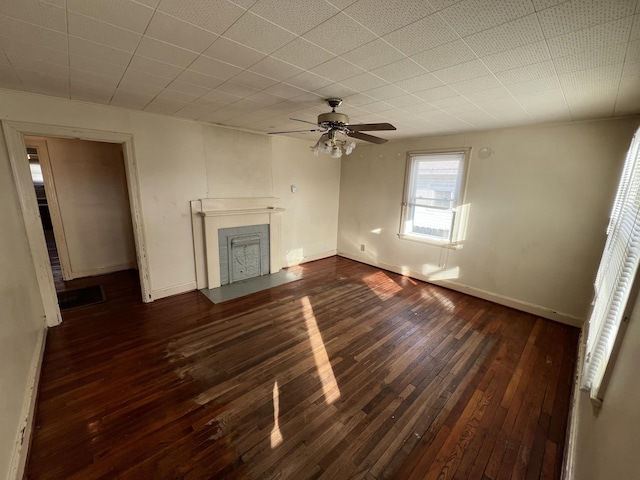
pixel 217 213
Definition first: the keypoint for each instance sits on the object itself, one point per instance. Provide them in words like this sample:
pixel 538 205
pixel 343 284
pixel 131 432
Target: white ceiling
pixel 428 67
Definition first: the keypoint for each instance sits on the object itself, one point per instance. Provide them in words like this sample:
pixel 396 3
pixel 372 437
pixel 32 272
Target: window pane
pixel 431 222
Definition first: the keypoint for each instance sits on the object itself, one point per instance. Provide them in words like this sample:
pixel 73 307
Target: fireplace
pixel 211 216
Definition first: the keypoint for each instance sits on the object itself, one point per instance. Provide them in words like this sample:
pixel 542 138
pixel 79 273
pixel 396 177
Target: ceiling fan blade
pixel 295 131
pixel 371 127
pixel 304 121
pixel 367 137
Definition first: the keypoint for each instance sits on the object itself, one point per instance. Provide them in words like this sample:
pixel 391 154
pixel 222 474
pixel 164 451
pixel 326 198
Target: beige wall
pixel 536 210
pixel 607 441
pixel 91 191
pixel 21 314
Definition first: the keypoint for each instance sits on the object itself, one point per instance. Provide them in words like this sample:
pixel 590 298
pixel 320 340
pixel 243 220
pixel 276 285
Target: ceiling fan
pixel 331 124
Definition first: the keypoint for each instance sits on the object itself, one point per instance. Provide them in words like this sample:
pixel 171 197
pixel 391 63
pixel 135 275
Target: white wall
pixel 21 315
pixel 315 202
pixel 536 209
pixel 90 189
pixel 608 441
pixel 179 161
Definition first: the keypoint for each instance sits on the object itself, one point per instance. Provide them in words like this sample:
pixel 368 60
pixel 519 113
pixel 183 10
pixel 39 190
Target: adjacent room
pixel 319 239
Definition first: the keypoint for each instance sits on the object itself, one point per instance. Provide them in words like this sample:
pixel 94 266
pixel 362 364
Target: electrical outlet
pixel 362 247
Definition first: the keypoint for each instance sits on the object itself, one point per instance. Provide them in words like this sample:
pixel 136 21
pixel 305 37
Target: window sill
pixel 430 241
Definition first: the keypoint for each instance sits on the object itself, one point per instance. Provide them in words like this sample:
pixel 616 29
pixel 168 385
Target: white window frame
pixel 458 201
pixel 616 281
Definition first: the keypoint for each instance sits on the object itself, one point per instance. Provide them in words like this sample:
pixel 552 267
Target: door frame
pixel 14 133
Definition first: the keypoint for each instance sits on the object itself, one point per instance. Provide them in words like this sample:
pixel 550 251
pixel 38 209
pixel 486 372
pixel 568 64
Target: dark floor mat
pixel 79 297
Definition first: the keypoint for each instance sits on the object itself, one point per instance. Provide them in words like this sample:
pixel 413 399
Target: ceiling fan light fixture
pixel 348 147
pixel 336 151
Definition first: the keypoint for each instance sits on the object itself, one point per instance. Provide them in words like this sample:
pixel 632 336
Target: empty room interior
pixel 350 239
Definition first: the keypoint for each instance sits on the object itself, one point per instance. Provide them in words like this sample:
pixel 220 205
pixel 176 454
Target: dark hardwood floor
pixel 350 372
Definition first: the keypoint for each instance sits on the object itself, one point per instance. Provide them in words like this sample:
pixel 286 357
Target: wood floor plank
pixel 351 372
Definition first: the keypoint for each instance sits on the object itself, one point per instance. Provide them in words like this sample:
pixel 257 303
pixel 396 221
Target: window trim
pixel 461 188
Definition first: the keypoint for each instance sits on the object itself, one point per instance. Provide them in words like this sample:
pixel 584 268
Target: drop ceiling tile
pixel 96 66
pixel 635 29
pixel 419 83
pixel 386 92
pixel 373 55
pixel 193 112
pixel 535 85
pixel 535 101
pixel 517 57
pixel 340 34
pixel 571 16
pixel 542 4
pixel 148 65
pixel 476 84
pixel 341 4
pixel 142 78
pixel 26 63
pixel 139 88
pixel 308 97
pixel 375 107
pixel 195 78
pixel 285 90
pixel 97 51
pixel 584 106
pixel 337 69
pixel 213 15
pixel 440 4
pixel 591 59
pixel 217 117
pixel 529 72
pixel 237 89
pixel 447 55
pixel 633 51
pixel 179 33
pixel 164 106
pixel 472 16
pixel 3 58
pixel 309 81
pixel 265 98
pixel 593 80
pixel 491 93
pixel 34 52
pixel 303 54
pixel 121 13
pixel 397 71
pixel 215 68
pixel 182 97
pixel 382 16
pixel 45 84
pixel 463 71
pixel 165 52
pixel 254 80
pixel 359 99
pixel 274 68
pixel 258 33
pixel 422 35
pixel 628 99
pixel 522 31
pixel 37 13
pixel 366 81
pixel 450 101
pixel 220 97
pixel 88 28
pixel 297 17
pixel 91 92
pixel 436 93
pixel 590 38
pixel 234 53
pixel 403 101
pixel 29 33
pixel 93 77
pixel 418 107
pixel 187 88
pixel 335 90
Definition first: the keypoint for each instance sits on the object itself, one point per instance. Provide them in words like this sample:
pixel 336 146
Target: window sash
pixel 413 203
pixel 616 275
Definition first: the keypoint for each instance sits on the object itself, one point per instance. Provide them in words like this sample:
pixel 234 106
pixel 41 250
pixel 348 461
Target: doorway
pixel 16 134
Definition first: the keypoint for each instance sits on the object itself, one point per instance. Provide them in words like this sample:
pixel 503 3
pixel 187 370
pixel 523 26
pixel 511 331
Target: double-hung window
pixel 432 195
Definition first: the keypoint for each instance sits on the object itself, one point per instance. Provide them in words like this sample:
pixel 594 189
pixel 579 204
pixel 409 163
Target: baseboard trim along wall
pixel 476 292
pixel 21 447
pixel 175 290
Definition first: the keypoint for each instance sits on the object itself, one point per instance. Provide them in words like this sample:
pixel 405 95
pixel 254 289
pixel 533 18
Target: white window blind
pixel 616 274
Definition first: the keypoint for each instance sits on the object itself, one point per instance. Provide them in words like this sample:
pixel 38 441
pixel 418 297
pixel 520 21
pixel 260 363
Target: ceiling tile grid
pixel 428 66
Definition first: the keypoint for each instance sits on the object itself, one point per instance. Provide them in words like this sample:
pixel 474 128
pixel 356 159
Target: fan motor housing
pixel 333 117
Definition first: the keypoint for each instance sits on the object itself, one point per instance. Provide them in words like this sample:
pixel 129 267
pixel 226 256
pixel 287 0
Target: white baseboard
pixel 309 258
pixel 475 292
pixel 175 290
pixel 102 270
pixel 21 448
